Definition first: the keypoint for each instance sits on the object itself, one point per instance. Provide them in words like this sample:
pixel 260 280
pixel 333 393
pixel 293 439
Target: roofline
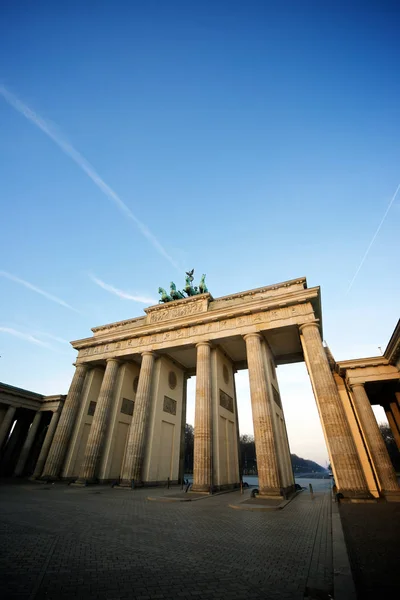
pixel 16 391
pixel 393 348
pixel 288 283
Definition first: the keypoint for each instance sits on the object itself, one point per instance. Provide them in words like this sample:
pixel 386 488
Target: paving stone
pixel 372 533
pixel 65 542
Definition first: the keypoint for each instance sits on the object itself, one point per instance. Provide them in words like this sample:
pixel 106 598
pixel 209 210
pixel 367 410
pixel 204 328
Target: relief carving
pixel 174 313
pixel 226 401
pixel 169 405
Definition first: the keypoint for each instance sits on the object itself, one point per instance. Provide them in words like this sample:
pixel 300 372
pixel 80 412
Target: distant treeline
pixel 248 456
pixel 300 465
pixel 249 461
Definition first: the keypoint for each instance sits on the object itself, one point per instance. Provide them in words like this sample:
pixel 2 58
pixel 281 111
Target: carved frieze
pixel 184 308
pixel 226 401
pixel 170 334
pixel 169 405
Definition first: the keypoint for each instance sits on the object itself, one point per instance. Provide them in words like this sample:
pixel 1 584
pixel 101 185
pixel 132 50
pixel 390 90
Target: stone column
pixel 26 448
pixel 393 426
pixel 46 445
pixel 99 424
pixel 62 436
pixel 267 464
pixel 350 479
pixel 374 440
pixel 135 448
pixel 396 413
pixel 202 464
pixel 6 424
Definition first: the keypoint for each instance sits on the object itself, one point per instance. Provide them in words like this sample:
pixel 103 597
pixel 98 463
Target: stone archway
pixel 256 329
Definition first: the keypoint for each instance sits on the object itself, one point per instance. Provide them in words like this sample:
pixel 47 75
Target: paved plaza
pixel 96 542
pixel 372 534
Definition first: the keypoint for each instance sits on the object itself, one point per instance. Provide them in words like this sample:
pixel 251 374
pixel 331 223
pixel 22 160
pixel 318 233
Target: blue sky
pixel 255 143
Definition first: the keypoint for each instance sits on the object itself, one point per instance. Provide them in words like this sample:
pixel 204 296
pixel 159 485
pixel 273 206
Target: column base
pixel 82 482
pixel 48 478
pixel 269 492
pixel 130 483
pixel 354 494
pixel 391 495
pixel 226 487
pixel 201 488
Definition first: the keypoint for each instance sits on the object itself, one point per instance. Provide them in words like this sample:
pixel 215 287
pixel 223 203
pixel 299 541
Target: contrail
pixel 24 336
pixel 38 290
pixel 373 239
pixel 85 166
pixel 121 293
pixel 51 337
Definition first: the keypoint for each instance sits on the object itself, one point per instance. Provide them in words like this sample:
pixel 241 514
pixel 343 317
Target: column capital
pixel 309 324
pixel 206 343
pixel 253 334
pixel 112 359
pixel 81 365
pixel 148 353
pixel 356 385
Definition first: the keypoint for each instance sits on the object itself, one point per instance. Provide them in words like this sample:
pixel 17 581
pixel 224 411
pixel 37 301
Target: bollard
pixel 167 483
pixel 241 486
pixel 133 484
pixel 311 491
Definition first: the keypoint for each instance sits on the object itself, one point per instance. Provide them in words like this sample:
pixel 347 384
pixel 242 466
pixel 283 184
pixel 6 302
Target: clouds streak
pixel 121 293
pixel 373 239
pixel 24 336
pixel 86 167
pixel 38 290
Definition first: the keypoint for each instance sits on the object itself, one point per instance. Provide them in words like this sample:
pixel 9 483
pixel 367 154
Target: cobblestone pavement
pixel 372 534
pixel 60 542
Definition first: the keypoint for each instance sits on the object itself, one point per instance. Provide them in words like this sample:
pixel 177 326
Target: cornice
pixel 392 351
pixel 117 324
pixel 19 392
pixel 268 288
pixel 258 305
pixel 360 363
pixel 176 303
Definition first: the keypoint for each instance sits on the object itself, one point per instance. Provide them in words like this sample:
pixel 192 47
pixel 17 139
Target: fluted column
pixel 6 424
pixel 267 463
pixel 26 448
pixel 396 413
pixel 202 465
pixel 66 424
pixel 373 437
pixel 393 426
pixel 136 445
pixel 99 423
pixel 46 445
pixel 350 479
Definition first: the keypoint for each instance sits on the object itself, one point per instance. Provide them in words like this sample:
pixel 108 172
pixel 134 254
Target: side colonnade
pixel 27 425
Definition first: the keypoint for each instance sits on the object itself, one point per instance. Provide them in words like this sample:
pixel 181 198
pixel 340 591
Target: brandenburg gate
pixel 125 413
